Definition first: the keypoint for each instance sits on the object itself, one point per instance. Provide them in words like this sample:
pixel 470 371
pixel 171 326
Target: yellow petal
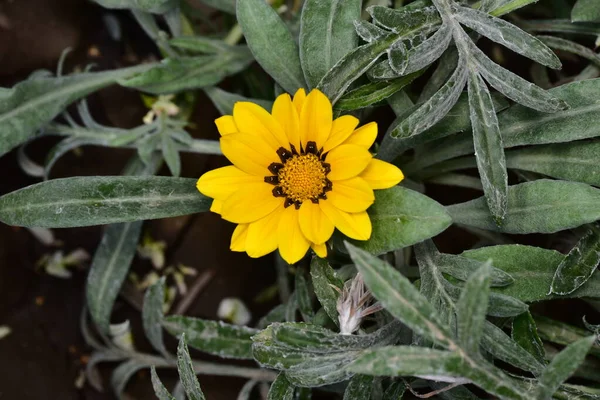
pixel 226 125
pixel 381 175
pixel 217 206
pixel 249 153
pixel 354 225
pixel 292 243
pixel 319 249
pixel 315 225
pixel 364 136
pixel 347 161
pixel 220 183
pixel 285 113
pixel 351 195
pixel 316 118
pixel 250 203
pixel 238 239
pixel 255 120
pixel 299 98
pixel 262 234
pixel 341 129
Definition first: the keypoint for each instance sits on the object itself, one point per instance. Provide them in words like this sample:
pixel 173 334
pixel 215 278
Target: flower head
pixel 297 174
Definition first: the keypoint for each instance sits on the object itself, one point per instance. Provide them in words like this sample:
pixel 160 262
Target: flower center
pixel 300 176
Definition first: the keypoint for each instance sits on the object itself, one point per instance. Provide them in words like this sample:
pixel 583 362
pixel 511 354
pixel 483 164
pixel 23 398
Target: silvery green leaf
pixel 174 75
pixel 571 47
pixel 322 370
pixel 524 332
pixel 374 92
pixel 153 6
pixel 327 34
pixel 397 58
pixel 153 316
pixel 402 217
pixel 281 389
pixel 91 372
pixel 246 390
pixel 121 375
pixel 533 269
pixel 561 26
pixel 323 276
pixel 303 296
pixel 271 43
pixel 368 32
pixel 530 206
pixel 562 367
pixel 109 269
pixel 359 388
pixel 201 44
pixel 227 6
pixel 499 305
pixel 148 146
pixel 27 165
pixel 34 102
pixel 585 11
pixel 507 35
pixel 513 86
pixel 159 389
pixel 86 201
pixel 489 149
pixel 441 74
pixel 185 367
pixel 171 155
pixel 399 296
pixel 471 309
pixel 213 337
pixel 461 268
pixel 436 107
pixel 397 19
pixel 579 265
pixel 430 50
pixel 394 391
pixel 277 314
pixel 224 101
pixel 489 5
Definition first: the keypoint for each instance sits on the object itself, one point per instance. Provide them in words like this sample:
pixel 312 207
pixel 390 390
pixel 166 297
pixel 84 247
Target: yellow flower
pixel 297 174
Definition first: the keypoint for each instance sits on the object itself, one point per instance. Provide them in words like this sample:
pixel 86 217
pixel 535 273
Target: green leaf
pixel 185 367
pixel 323 276
pixel 109 269
pixel 571 47
pixel 326 35
pixel 575 161
pixel 121 375
pixel 227 6
pixel 585 11
pixel 34 102
pixel 159 389
pixel 213 337
pixel 224 101
pixel 153 316
pixel 153 6
pixel 461 268
pixel 471 309
pixel 408 361
pixel 171 155
pixel 174 75
pixel 508 35
pixel 542 206
pixel 281 389
pixel 395 391
pixel 201 44
pixel 524 332
pixel 562 367
pixel 533 269
pixel 303 296
pixel 374 92
pixel 399 296
pixel 489 150
pixel 359 388
pixel 579 265
pixel 402 217
pixel 323 370
pixel 271 43
pixel 560 333
pixel 85 201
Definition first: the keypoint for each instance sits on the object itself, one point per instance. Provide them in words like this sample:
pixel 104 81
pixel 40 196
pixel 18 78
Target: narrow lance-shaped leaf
pixel 471 309
pixel 171 155
pixel 359 388
pixel 154 6
pixel 489 150
pixel 85 201
pixel 185 367
pixel 524 332
pixel 303 296
pixel 159 389
pixel 152 315
pixel 281 389
pixel 542 206
pixel 213 337
pixel 430 50
pixel 571 47
pixel 326 35
pixel 562 367
pixel 123 373
pixel 579 265
pixel 508 35
pixel 585 11
pixel 271 43
pixel 436 107
pixel 323 276
pixel 224 101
